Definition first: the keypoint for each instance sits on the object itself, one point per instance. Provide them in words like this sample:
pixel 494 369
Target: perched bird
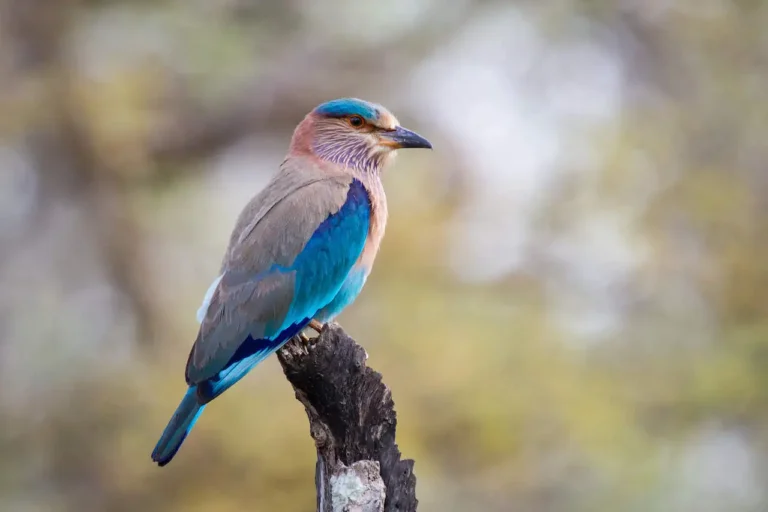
pixel 300 251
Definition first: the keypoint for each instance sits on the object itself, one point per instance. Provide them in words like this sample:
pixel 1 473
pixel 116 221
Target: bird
pixel 299 253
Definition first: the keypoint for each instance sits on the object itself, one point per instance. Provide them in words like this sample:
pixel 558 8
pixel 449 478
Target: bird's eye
pixel 356 121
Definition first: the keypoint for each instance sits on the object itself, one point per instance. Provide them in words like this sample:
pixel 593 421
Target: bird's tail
pixel 181 423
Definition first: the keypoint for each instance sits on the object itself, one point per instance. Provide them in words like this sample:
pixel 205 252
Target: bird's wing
pixel 280 270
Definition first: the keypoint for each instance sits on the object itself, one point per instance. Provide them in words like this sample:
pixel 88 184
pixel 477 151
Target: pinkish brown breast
pixel 379 214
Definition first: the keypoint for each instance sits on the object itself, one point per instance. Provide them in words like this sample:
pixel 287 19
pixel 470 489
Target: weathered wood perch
pixel 352 420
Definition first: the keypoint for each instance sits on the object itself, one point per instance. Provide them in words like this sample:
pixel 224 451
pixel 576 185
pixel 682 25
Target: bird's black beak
pixel 400 138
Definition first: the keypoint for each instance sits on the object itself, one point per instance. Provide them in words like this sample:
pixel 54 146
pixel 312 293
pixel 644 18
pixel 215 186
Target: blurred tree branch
pixel 305 73
pixel 62 148
pixel 352 420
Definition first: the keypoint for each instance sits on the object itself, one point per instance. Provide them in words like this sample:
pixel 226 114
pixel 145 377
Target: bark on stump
pixel 352 420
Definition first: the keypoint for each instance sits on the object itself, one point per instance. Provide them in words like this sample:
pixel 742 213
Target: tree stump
pixel 352 420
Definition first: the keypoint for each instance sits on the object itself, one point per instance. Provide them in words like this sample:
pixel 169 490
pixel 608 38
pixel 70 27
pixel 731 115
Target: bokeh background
pixel 571 301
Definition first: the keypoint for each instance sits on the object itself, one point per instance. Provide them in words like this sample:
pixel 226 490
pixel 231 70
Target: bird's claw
pixel 317 326
pixel 314 325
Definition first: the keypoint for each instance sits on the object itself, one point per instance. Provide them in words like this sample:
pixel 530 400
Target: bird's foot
pixel 315 325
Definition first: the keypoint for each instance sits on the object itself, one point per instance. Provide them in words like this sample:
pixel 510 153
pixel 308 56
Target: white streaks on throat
pixel 348 151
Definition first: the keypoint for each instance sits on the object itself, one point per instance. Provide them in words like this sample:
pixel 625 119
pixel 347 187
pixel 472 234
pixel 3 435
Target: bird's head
pixel 354 133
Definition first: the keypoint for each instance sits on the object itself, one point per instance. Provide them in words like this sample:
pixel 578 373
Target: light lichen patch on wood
pixel 358 488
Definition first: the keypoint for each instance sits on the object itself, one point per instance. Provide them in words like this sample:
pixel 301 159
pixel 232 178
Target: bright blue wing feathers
pixel 318 273
pixel 349 291
pixel 328 257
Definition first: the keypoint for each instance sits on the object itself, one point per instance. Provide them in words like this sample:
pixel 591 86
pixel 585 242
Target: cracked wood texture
pixel 352 420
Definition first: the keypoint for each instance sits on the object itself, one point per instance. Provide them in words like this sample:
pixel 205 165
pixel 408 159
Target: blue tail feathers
pixel 181 423
pixel 248 355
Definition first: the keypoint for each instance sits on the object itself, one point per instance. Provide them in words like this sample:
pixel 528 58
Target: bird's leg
pixel 315 325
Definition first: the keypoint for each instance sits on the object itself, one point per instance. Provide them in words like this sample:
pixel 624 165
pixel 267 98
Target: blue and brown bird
pixel 300 252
